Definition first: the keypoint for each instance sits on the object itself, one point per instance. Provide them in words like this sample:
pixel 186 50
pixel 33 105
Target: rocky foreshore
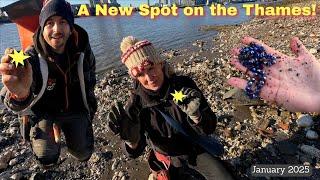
pixel 253 132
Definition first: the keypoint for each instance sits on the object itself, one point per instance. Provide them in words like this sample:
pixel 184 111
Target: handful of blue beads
pixel 255 58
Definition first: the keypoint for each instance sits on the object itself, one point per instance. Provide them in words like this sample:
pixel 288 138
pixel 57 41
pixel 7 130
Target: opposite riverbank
pixel 253 132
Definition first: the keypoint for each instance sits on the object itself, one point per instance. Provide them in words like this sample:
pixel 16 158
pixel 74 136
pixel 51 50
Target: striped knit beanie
pixel 135 53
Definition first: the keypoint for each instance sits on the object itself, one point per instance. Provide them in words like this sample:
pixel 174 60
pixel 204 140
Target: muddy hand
pixel 17 80
pixel 293 82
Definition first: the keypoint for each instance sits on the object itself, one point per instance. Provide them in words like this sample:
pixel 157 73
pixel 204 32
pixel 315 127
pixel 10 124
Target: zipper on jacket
pixel 66 88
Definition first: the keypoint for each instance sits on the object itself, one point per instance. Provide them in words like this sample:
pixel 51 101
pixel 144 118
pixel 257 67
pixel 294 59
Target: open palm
pixel 293 82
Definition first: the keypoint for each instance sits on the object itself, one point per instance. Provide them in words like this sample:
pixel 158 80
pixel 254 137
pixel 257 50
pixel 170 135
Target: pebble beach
pixel 252 131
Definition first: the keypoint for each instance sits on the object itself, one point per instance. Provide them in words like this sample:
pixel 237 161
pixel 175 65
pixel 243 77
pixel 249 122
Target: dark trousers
pixel 77 129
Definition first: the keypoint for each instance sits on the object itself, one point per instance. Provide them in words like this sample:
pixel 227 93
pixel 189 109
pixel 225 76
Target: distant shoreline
pixel 5 21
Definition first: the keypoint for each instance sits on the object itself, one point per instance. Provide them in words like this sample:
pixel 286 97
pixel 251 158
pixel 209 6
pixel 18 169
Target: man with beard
pixel 55 89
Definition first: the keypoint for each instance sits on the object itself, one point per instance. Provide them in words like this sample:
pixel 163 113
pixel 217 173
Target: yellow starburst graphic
pixel 178 96
pixel 18 57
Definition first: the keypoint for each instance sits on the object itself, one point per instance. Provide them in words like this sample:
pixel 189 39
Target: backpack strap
pixel 45 73
pixel 81 79
pixel 210 144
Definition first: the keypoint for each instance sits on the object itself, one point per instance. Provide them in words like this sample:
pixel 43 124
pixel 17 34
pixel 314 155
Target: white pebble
pixel 115 164
pixel 16 176
pixel 13 162
pixel 313 51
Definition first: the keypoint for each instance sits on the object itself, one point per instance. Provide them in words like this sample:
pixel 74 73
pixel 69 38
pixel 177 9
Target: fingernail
pixel 10 66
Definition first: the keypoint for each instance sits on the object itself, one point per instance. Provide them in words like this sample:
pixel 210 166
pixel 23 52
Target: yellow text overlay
pixel 215 10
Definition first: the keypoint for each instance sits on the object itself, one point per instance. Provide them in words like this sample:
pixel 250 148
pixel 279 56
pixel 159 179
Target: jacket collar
pixel 153 98
pixel 78 45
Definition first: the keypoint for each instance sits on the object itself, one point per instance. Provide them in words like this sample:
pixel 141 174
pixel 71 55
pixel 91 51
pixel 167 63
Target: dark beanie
pixel 56 8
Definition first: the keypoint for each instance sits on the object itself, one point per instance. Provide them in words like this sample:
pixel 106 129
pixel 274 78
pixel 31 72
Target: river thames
pixel 106 32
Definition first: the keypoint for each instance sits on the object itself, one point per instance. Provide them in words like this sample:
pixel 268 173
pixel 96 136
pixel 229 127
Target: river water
pixel 106 32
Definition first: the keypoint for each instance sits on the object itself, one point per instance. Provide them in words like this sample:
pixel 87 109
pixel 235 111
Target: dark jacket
pixel 62 93
pixel 142 109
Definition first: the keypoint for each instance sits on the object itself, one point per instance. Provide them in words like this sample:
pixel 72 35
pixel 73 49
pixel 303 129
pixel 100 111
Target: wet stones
pixel 313 51
pixel 37 176
pixel 16 176
pixel 305 121
pixel 4 159
pixel 2 140
pixel 95 158
pixel 304 158
pixel 281 136
pixel 284 125
pixel 15 123
pixel 5 175
pixel 312 135
pixel 13 161
pixel 311 151
pixel 171 53
pixel 3 111
pixel 115 164
pixel 230 93
pixel 7 118
pixel 263 124
pixel 120 175
pixel 227 132
pixel 238 126
pixel 13 130
pixel 115 73
pixel 199 43
pixel 3 165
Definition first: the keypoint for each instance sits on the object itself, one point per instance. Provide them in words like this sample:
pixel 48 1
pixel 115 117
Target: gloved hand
pixel 190 103
pixel 120 123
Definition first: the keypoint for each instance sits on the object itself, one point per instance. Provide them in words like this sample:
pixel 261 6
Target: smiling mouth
pixel 58 37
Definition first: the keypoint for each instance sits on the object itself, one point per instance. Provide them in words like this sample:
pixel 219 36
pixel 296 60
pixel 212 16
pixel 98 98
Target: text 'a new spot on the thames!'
pixel 215 10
